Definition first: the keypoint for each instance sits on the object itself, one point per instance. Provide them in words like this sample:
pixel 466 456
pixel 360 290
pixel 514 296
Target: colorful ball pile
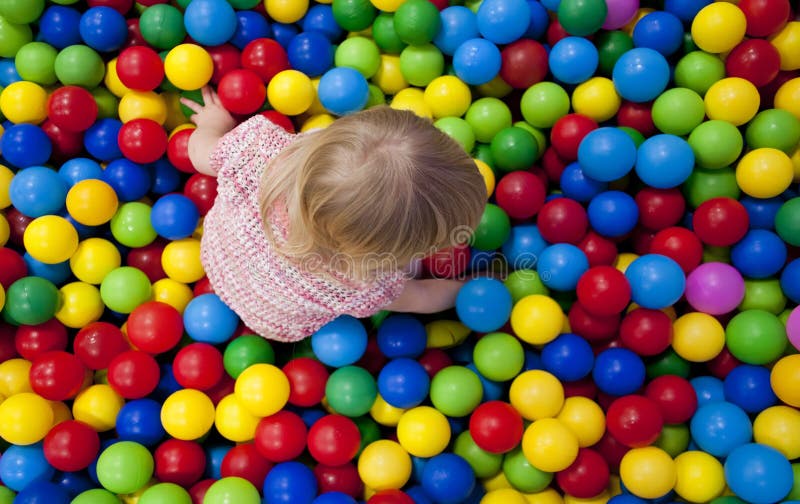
pixel 641 168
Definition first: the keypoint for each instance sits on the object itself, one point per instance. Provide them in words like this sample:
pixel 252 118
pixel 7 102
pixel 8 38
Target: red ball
pixel 148 260
pixel 562 220
pixel 637 116
pixel 343 478
pixel 592 327
pixel 611 450
pixel 585 387
pixel 142 140
pixel 679 244
pixel 767 92
pixel 242 91
pixel 553 165
pixel 66 144
pixel 642 238
pixel 202 286
pixel 524 63
pixel 646 332
pixel 17 223
pixel 245 462
pixel 180 462
pixel 155 327
pixel 32 341
pixel 265 57
pixel 721 365
pixel 660 208
pixel 555 32
pixel 521 194
pixel 568 132
pixel 98 343
pixel 334 440
pixel 634 420
pixel 198 366
pixel 755 60
pixel 72 108
pixel 226 58
pixel 390 497
pixel 373 359
pixel 222 389
pixel 280 119
pixel 496 427
pixel 133 374
pixel 134 33
pixel 140 68
pixel 307 378
pixel 720 222
pixel 71 446
pixel 765 17
pixel 447 263
pixel 674 396
pixel 281 437
pixel 604 291
pixel 434 360
pixel 57 375
pixel 14 266
pixel 585 478
pixel 121 6
pixel 202 190
pixel 7 343
pixel 599 250
pixel 178 150
pixel 199 489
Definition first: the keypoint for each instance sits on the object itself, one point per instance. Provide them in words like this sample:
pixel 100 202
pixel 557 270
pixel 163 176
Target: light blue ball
pixel 759 474
pixel 208 320
pixel 483 304
pixel 561 266
pixel 573 60
pixel 641 74
pixel 607 154
pixel 503 21
pixel 656 281
pixel 664 161
pixel 37 191
pixel 343 90
pixel 523 247
pixel 22 465
pixel 210 22
pixel 720 427
pixel 458 24
pixel 477 61
pixel 77 169
pixel 340 342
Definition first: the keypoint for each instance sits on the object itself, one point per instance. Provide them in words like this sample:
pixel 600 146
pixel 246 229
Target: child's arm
pixel 427 296
pixel 212 121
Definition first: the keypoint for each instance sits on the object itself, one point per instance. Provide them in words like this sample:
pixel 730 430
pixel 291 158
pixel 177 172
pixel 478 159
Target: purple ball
pixel 793 327
pixel 715 288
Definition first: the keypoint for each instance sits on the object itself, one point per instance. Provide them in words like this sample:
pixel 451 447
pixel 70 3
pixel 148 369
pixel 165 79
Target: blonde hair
pixel 377 183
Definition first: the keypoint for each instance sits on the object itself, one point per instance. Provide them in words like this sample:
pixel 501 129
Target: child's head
pixel 376 184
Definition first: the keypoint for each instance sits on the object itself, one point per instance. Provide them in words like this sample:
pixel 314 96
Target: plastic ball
pixel 477 61
pixel 537 319
pixel 140 68
pixel 447 96
pixel 384 464
pixel 210 22
pixel 757 61
pixel 720 427
pixel 716 144
pixel 618 371
pixel 133 374
pixel 718 28
pixel 188 66
pixel 263 389
pixel 79 65
pixel 456 391
pixel 92 202
pixel 582 17
pixel 606 154
pixel 59 26
pixel 648 472
pixel 26 418
pixel 573 60
pixel 232 489
pixel 233 421
pixel 613 213
pixel 24 102
pixel 25 145
pixel 24 466
pixel 207 319
pixel 103 29
pixel 536 394
pixel 480 298
pixel 187 414
pixel 359 53
pixel 423 431
pixel 503 21
pixel 125 288
pixel 343 91
pixel 758 473
pixel 417 22
pixel 333 440
pixel 131 225
pixel 448 478
pixel 544 103
pixel 181 262
pixel 549 445
pixel 641 74
pixel 656 281
pixel 732 99
pixel 403 383
pixel 174 216
pixel 37 191
pixel 634 421
pixel 662 31
pixel 290 92
pixel 764 172
pixel 524 62
pixel 756 337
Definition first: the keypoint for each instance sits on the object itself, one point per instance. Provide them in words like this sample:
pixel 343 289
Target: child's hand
pixel 211 116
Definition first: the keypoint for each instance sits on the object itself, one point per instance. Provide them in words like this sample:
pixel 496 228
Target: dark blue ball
pixel 310 53
pixel 250 25
pixel 103 29
pixel 26 145
pixel 761 211
pixel 401 335
pixel 42 492
pixel 458 24
pixel 523 247
pixel 760 254
pixel 661 31
pixel 448 478
pixel 613 214
pixel 492 390
pixel 790 281
pixel 174 216
pixel 618 372
pixel 290 483
pixel 59 26
pixel 131 181
pixel 100 139
pixel 540 20
pixel 748 387
pixel 686 10
pixel 403 383
pixel 284 33
pixel 140 421
pixel 320 18
pixel 568 357
pixel 164 178
pixel 575 184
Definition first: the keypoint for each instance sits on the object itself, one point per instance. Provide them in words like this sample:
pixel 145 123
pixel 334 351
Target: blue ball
pixel 641 74
pixel 477 61
pixel 760 254
pixel 290 483
pixel 164 178
pixel 492 390
pixel 167 384
pixel 708 390
pixel 540 20
pixel 480 260
pixel 402 335
pixel 140 421
pixel 210 22
pixel 685 10
pixel 57 273
pixel 607 154
pixel 532 361
pixel 340 342
pixel 661 31
pixel 37 191
pixel 523 247
pixel 618 372
pixel 103 29
pixel 22 465
pixel 250 26
pixel 551 5
pixel 483 304
pixel 174 216
pixel 458 24
pixel 664 161
pixel 448 479
pixel 208 320
pixel 334 498
pixel 85 231
pixel 320 18
pixel 719 427
pixel 100 139
pixel 503 21
pixel 761 212
pixel 656 281
pixel 77 169
pixel 43 492
pixel 311 53
pixel 59 26
pixel 626 498
pixel 26 145
pixel 759 474
pixel 613 214
pixel 214 456
pixel 131 181
pixel 418 495
pixel 343 90
pixel 568 357
pixel 311 415
pixel 403 383
pixel 790 281
pixel 284 33
pixel 561 266
pixel 573 60
pixel 73 482
pixel 576 185
pixel 748 387
pixel 8 72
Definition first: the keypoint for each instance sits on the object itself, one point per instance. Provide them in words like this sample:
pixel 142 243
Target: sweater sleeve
pixel 246 141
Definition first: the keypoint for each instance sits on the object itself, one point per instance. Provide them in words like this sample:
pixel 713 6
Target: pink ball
pixel 793 327
pixel 714 288
pixel 620 13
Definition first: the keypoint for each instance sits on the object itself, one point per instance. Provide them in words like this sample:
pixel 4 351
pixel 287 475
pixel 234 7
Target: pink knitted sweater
pixel 272 294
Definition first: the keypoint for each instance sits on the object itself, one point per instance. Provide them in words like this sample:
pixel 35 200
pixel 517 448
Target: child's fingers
pixel 208 95
pixel 191 105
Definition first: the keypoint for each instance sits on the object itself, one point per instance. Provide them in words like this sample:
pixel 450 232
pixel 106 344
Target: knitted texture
pixel 274 295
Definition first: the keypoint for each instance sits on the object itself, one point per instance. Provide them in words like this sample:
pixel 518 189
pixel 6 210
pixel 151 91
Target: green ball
pixel 493 229
pixel 79 65
pixel 487 116
pixel 698 70
pixel 21 11
pixel 165 493
pixel 483 152
pixel 795 493
pixel 456 391
pixel 499 356
pixel 107 103
pixel 351 391
pixel 36 62
pixel 124 467
pixel 674 439
pixel 541 139
pixel 244 4
pixel 196 95
pixel 360 53
pixel 765 294
pixel 162 26
pixel 7 495
pixel 688 44
pixel 32 300
pixel 543 104
pixel 702 185
pixel 354 15
pixel 96 496
pixel 484 464
pixel 369 429
pixel 638 138
pixel 459 130
pixel 417 22
pixel 582 17
pixel 756 337
pixel 668 363
pixel 610 46
pixel 385 36
pixel 523 283
pixel 125 288
pixel 131 225
pixel 787 222
pixel 716 144
pixel 678 111
pixel 514 149
pixel 376 96
pixel 776 128
pixel 13 37
pixel 420 64
pixel 232 489
pixel 728 499
pixel 244 351
pixel 716 254
pixel 522 475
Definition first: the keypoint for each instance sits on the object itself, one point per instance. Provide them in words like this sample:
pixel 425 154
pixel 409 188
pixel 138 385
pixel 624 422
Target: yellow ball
pixel 495 88
pixel 61 412
pixel 290 92
pixel 2 297
pixel 263 389
pixel 187 414
pixel 233 421
pixel 496 482
pixel 50 239
pixel 624 260
pixel 142 105
pixel 80 305
pixel 787 42
pixel 94 259
pixel 14 377
pixel 5 182
pixel 698 337
pixel 387 5
pixel 549 445
pixel 601 498
pixel 536 394
pixel 412 99
pixel 448 96
pixel 25 419
pixel 596 98
pixel 92 202
pixel 488 176
pixel 733 99
pixel 188 66
pixel 286 11
pixel 585 418
pixel 316 106
pixel 318 121
pixel 423 431
pixel 175 115
pixel 173 293
pixel 384 413
pixel 718 27
pixel 98 406
pixel 537 319
pixel 503 496
pixel 24 102
pixel 112 80
pixel 764 173
pixel 384 465
pixel 5 230
pixel 181 260
pixel 648 472
pixel 779 427
pixel 389 78
pixel 788 97
pixel 549 496
pixel 796 164
pixel 785 380
pixel 699 476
